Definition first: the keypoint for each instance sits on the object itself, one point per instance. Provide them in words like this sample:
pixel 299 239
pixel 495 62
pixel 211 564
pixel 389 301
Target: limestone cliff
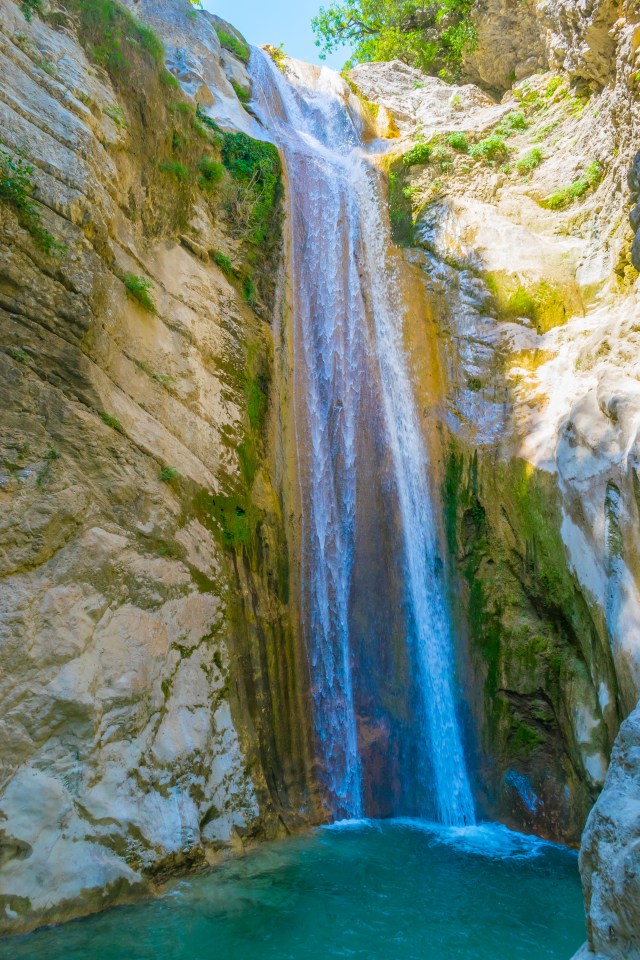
pixel 150 679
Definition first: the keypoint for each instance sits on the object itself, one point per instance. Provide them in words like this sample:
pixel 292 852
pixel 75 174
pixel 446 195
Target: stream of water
pixel 359 441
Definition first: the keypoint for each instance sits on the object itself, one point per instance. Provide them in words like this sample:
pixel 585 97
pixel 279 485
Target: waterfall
pixel 352 393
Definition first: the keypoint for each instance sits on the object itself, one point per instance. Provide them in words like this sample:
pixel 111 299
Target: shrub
pixel 174 169
pixel 278 56
pixel 531 160
pixel 234 45
pixel 169 80
pixel 139 288
pixel 255 166
pixel 417 155
pixel 562 198
pixel 512 121
pixel 458 141
pixel 554 84
pixel 168 474
pixel 490 149
pixel 249 291
pixel 29 7
pixel 211 172
pixel 441 157
pixel 16 187
pixel 110 421
pixel 224 263
pixel 241 93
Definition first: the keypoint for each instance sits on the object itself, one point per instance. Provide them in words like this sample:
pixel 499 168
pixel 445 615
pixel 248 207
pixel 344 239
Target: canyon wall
pixel 150 683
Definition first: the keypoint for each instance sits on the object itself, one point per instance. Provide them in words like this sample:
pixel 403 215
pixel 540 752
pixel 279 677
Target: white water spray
pixel 345 326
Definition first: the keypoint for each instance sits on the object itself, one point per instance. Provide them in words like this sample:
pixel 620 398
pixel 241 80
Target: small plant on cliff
pixel 29 7
pixel 111 421
pixel 243 95
pixel 587 181
pixel 224 263
pixel 511 122
pixel 211 172
pixel 278 56
pixel 116 113
pixel 490 149
pixel 174 169
pixel 16 188
pixel 531 160
pixel 417 155
pixel 168 474
pixel 458 141
pixel 45 472
pixel 139 288
pixel 234 45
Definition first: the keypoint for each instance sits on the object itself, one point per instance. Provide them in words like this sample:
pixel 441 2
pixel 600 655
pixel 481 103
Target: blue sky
pixel 276 22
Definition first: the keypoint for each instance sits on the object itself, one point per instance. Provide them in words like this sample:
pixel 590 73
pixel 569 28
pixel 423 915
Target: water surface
pixel 385 890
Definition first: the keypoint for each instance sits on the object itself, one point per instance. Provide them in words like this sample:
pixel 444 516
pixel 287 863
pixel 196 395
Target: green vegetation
pixel 531 160
pixel 234 45
pixel 417 155
pixel 255 165
pixel 45 472
pixel 545 305
pixel 243 96
pixel 554 84
pixel 16 189
pixel 441 157
pixel 139 288
pixel 278 56
pixel 511 122
pixel 211 172
pixel 115 38
pixel 174 169
pixel 400 205
pixel 490 149
pixel 29 7
pixel 163 379
pixel 111 421
pixel 116 113
pixel 224 263
pixel 169 474
pixel 458 141
pixel 433 37
pixel 18 354
pixel 587 181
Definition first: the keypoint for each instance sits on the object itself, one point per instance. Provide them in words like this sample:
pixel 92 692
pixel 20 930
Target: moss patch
pixel 547 306
pixel 534 642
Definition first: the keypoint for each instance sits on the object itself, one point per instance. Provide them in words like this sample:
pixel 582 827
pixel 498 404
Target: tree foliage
pixel 432 36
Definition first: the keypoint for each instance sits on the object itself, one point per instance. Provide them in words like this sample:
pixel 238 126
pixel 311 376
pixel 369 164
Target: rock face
pixel 610 855
pixel 150 685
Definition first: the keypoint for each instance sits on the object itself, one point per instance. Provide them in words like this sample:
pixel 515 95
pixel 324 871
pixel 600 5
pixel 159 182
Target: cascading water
pixel 358 441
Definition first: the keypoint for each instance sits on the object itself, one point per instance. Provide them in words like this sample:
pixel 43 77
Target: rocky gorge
pixel 155 681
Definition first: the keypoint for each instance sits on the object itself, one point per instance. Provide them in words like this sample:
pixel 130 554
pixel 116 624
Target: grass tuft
pixel 532 159
pixel 587 181
pixel 139 289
